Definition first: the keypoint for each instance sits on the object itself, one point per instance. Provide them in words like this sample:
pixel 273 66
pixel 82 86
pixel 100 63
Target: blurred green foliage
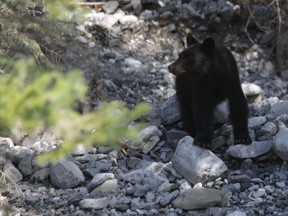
pixel 44 97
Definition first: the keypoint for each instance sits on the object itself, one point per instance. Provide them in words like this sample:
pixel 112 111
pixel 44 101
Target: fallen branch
pixel 94 4
pixel 279 16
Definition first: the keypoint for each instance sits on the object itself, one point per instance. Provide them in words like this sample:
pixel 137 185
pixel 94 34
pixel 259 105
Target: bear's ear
pixel 208 46
pixel 190 40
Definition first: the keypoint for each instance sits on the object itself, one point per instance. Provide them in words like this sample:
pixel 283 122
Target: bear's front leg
pixel 203 115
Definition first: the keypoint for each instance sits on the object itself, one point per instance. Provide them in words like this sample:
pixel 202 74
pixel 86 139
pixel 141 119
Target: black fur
pixel 207 74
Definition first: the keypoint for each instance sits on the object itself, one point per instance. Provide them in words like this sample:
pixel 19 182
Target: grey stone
pixel 132 63
pixel 281 174
pixel 108 21
pixel 110 6
pixel 227 13
pixel 99 179
pixel 30 140
pixel 149 132
pixel 218 141
pixel 121 207
pixel 246 164
pixel 118 14
pixel 249 151
pixel 174 135
pixel 140 190
pixel 134 177
pixel 279 108
pixel 281 184
pixel 80 149
pixel 147 14
pixel 135 203
pixel 5 145
pixel 185 186
pixel 216 211
pixel 137 6
pixel 237 186
pixel 140 212
pixel 94 167
pixel 236 213
pixel 148 138
pixel 128 20
pixel 3 160
pixel 18 153
pixel 167 198
pixel 264 107
pixel 221 113
pixel 149 197
pixel 154 181
pixel 165 187
pixel 12 172
pixel 82 39
pixel 196 164
pixel 166 15
pixel 124 200
pixel 96 204
pixel 150 144
pixel 169 111
pixel 25 166
pixel 32 199
pixel 280 145
pixel 155 167
pixel 284 73
pixel 258 193
pixel 133 162
pixel 270 127
pixel 282 120
pixel 198 198
pixel 104 149
pixel 255 122
pixel 130 191
pixel 266 38
pixel 66 174
pixel 42 174
pixel 107 188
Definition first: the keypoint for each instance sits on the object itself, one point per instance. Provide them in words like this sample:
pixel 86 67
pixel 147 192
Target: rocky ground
pixel 124 48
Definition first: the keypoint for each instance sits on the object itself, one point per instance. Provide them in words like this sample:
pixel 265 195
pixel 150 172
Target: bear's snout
pixel 170 68
pixel 176 68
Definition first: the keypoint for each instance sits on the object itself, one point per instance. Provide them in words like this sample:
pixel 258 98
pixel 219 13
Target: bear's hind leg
pixel 239 115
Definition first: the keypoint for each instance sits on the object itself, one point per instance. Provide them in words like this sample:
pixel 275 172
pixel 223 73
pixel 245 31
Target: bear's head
pixel 196 59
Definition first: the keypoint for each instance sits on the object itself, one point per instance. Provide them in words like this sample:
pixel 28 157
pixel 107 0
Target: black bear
pixel 207 74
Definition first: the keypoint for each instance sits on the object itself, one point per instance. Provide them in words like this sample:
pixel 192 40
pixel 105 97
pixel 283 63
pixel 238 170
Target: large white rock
pixel 251 89
pixel 196 164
